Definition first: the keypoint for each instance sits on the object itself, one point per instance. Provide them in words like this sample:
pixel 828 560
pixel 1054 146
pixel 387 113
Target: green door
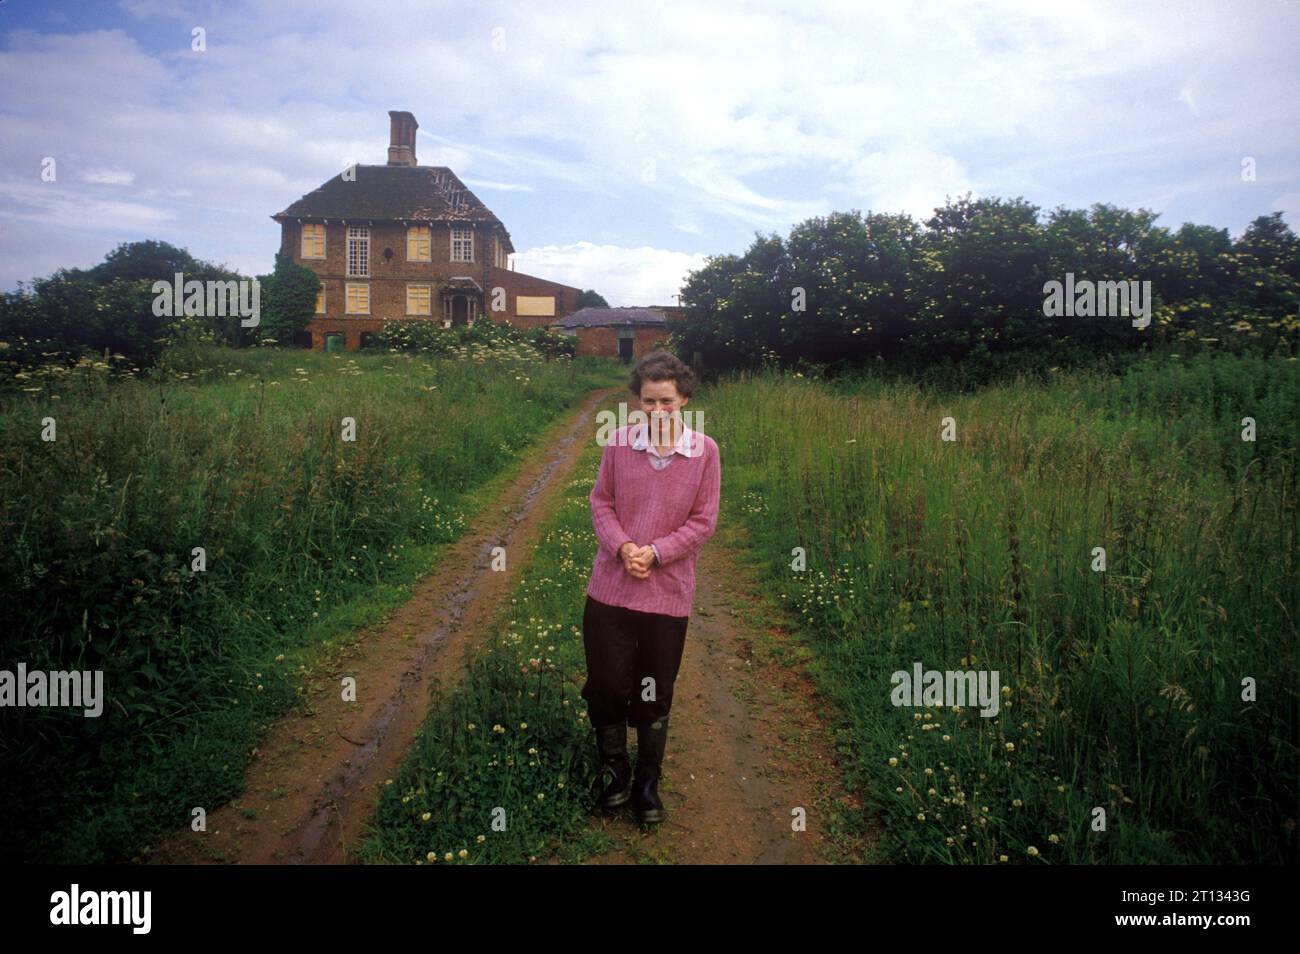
pixel 334 342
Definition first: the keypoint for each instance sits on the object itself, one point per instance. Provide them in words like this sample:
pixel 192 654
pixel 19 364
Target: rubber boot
pixel 650 740
pixel 611 743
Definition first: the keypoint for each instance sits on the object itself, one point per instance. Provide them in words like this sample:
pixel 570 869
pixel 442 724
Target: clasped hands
pixel 637 560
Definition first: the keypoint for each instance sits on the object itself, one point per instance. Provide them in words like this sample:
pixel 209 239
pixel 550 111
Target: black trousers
pixel 624 647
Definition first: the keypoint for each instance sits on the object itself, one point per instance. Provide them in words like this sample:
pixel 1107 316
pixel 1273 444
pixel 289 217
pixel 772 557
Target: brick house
pixel 405 242
pixel 626 333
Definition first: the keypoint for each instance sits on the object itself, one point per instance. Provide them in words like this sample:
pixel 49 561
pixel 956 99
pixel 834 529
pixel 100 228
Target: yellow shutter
pixel 313 241
pixel 418 299
pixel 358 299
pixel 418 244
pixel 534 305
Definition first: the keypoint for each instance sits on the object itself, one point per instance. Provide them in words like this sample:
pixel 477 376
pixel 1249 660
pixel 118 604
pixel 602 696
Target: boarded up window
pixel 358 299
pixel 320 301
pixel 535 305
pixel 418 244
pixel 418 299
pixel 313 241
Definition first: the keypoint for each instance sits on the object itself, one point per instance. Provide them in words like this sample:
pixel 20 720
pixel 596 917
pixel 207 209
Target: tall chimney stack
pixel 401 140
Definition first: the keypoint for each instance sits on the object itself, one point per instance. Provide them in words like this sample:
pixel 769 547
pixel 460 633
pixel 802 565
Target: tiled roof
pixel 395 193
pixel 598 317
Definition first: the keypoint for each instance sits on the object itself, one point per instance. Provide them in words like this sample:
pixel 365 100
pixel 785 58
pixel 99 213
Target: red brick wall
pixel 597 342
pixel 647 339
pixel 603 342
pixel 517 283
pixel 389 277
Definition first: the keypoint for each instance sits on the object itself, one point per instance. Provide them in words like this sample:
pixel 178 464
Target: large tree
pixel 288 300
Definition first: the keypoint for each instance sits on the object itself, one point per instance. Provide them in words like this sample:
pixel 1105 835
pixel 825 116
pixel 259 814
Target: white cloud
pixel 908 179
pixel 108 176
pixel 1289 205
pixel 756 115
pixel 623 275
pixel 498 186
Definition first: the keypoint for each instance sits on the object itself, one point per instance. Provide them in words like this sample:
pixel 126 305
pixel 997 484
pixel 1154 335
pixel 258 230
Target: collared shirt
pixel 686 446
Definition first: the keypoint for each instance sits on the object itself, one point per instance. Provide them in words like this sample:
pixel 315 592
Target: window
pixel 418 244
pixel 419 299
pixel 358 251
pixel 462 243
pixel 358 298
pixel 534 305
pixel 499 252
pixel 313 241
pixel 320 301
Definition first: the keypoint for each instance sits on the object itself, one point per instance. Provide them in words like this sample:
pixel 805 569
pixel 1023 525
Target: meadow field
pixel 1161 691
pixel 1148 710
pixel 305 536
pixel 1125 733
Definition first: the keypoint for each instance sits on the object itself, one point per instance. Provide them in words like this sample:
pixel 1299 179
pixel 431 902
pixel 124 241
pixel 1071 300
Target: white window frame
pixel 348 296
pixel 462 239
pixel 323 302
pixel 429 291
pixel 358 242
pixel 302 240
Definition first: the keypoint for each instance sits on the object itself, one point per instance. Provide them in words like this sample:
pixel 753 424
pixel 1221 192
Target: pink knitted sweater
pixel 676 509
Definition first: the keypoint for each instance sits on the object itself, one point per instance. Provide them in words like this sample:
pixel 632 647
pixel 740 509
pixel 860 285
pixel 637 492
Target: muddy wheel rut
pixel 313 783
pixel 747 745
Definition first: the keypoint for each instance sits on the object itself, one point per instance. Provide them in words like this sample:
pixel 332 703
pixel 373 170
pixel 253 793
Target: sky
pixel 623 143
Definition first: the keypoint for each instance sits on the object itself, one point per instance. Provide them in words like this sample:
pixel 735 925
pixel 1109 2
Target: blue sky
pixel 622 143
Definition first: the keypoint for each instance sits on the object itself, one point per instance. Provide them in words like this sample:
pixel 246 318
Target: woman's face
pixel 661 404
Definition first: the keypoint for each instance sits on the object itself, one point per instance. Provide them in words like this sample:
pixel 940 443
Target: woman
pixel 655 502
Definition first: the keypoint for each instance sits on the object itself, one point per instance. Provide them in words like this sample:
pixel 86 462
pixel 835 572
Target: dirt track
pixel 314 781
pixel 746 747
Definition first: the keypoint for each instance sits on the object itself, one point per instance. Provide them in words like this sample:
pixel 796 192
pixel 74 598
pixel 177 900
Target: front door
pixel 625 349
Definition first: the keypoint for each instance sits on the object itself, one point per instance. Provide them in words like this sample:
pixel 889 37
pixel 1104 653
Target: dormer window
pixel 462 243
pixel 358 251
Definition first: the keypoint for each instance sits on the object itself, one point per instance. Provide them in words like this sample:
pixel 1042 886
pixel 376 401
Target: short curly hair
pixel 662 365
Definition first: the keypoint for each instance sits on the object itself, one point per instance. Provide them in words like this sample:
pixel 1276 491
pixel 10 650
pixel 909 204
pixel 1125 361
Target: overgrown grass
pixel 504 765
pixel 304 534
pixel 1122 690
